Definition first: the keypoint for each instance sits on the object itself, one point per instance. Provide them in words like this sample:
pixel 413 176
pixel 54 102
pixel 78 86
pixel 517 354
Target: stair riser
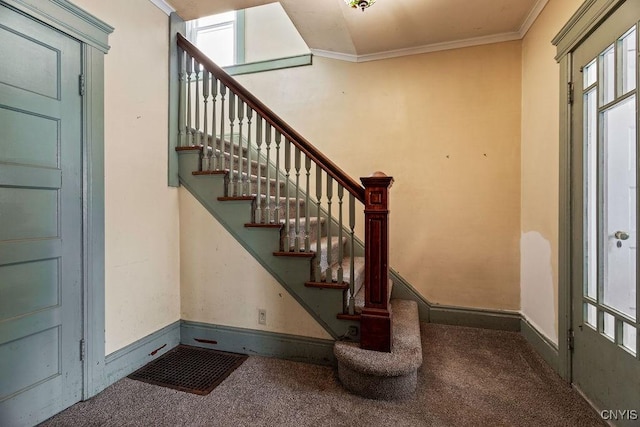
pixel 335 248
pixel 282 206
pixel 236 165
pixel 263 185
pixel 313 236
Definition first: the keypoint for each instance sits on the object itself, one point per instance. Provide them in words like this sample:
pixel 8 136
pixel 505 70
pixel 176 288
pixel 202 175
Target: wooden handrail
pixel 351 185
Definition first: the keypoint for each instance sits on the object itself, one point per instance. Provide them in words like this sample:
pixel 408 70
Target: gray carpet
pixel 469 377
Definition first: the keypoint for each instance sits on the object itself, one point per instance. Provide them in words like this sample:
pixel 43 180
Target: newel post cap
pixel 377 179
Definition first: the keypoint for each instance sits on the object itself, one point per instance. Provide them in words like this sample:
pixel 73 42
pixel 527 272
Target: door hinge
pixel 81 84
pixel 570 93
pixel 570 340
pixel 83 350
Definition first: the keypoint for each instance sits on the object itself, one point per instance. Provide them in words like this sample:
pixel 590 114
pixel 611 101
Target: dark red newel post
pixel 375 320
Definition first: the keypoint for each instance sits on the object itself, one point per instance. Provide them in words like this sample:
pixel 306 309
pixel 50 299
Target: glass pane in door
pixel 619 224
pixel 591 188
pixel 608 75
pixel 628 56
pixel 629 337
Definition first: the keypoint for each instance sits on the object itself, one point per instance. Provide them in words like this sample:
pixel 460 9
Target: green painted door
pixel 606 357
pixel 40 220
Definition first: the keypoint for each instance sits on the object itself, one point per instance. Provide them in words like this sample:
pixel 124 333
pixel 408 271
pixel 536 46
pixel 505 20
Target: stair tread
pixel 406 351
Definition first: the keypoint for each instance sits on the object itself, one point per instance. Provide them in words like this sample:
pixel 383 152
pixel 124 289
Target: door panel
pixel 605 360
pixel 40 220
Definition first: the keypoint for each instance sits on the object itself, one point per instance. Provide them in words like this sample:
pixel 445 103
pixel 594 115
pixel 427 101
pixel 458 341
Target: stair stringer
pixel 261 243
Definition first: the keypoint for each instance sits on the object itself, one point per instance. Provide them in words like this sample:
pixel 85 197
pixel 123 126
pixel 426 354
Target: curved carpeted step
pixel 380 375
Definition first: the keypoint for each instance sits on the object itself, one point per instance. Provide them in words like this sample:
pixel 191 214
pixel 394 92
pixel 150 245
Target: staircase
pixel 295 211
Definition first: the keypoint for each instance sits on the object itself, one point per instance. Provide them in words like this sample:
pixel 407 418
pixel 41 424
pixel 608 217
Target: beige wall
pixel 270 34
pixel 142 225
pixel 223 284
pixel 539 164
pixel 446 125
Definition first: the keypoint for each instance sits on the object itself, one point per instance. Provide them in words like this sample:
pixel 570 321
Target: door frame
pixel 588 17
pixel 93 35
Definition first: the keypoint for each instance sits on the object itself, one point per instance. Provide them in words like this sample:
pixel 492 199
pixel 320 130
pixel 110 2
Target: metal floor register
pixel 190 369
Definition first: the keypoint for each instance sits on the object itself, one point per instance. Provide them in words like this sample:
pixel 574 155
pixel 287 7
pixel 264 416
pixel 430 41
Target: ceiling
pixel 390 27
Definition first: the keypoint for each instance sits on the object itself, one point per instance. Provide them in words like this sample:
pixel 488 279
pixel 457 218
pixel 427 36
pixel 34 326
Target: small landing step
pixel 379 375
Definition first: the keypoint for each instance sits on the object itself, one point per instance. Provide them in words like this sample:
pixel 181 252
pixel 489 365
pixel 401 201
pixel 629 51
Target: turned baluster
pixel 182 99
pixel 352 235
pixel 340 244
pixel 296 243
pixel 189 90
pixel 328 277
pixel 318 271
pixel 246 179
pixel 198 134
pixel 307 223
pixel 206 154
pixel 259 202
pixel 214 140
pixel 238 177
pixel 277 204
pixel 220 151
pixel 232 120
pixel 267 207
pixel 287 221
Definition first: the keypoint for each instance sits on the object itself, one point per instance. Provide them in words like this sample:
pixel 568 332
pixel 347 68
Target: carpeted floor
pixel 469 377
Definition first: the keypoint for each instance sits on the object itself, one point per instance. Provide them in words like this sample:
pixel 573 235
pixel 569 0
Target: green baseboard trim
pixel 475 318
pixel 541 344
pixel 122 362
pixel 449 315
pixel 257 343
pixel 403 290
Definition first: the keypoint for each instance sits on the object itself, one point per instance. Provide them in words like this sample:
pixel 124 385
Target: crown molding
pixel 531 18
pixel 163 6
pixel 335 55
pixel 435 47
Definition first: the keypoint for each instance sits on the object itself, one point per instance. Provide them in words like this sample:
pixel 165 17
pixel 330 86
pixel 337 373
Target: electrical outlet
pixel 262 316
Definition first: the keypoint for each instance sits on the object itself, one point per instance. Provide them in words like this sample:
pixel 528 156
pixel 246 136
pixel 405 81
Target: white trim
pixel 531 18
pixel 164 6
pixel 335 55
pixel 436 47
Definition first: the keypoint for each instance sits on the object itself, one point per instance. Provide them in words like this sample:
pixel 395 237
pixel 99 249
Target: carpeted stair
pixel 379 375
pixel 371 374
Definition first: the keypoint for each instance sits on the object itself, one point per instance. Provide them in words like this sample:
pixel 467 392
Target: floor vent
pixel 190 369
